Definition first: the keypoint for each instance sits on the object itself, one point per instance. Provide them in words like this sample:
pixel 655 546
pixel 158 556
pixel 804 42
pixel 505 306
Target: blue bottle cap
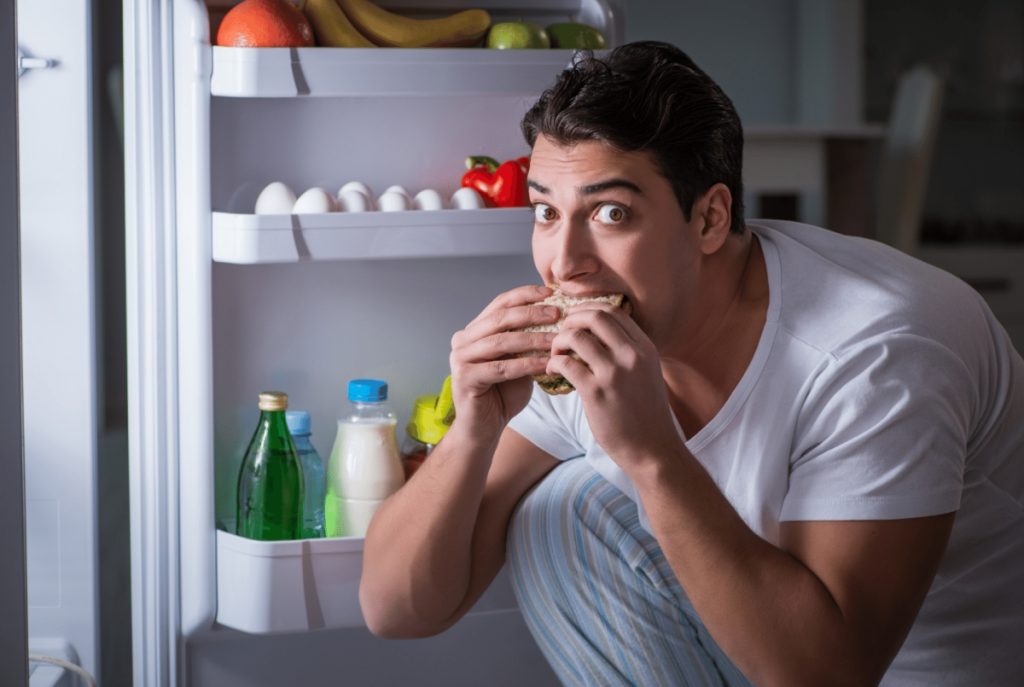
pixel 367 390
pixel 298 421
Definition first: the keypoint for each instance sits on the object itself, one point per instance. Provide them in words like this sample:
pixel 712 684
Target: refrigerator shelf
pixel 288 586
pixel 338 72
pixel 310 584
pixel 255 239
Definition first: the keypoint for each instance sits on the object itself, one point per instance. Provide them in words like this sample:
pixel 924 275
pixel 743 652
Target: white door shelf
pixel 335 72
pixel 311 584
pixel 288 586
pixel 253 239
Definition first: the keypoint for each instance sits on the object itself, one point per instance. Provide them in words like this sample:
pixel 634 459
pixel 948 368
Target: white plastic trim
pixel 198 567
pixel 152 349
pixel 379 72
pixel 303 585
pixel 250 239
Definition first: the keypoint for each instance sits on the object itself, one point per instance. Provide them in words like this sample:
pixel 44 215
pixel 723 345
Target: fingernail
pixel 552 312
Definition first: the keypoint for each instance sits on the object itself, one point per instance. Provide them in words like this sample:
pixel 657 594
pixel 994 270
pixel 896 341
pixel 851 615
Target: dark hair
pixel 649 96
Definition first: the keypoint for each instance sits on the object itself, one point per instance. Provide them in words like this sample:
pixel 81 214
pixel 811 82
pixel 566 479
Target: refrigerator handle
pixel 26 62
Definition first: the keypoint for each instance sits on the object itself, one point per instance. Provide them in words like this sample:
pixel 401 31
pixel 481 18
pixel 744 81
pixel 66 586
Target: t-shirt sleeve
pixel 883 434
pixel 549 423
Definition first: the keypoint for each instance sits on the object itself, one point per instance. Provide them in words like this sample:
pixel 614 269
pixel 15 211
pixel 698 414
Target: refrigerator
pixel 223 303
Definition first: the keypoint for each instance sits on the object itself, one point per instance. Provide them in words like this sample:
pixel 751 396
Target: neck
pixel 725 289
pixel 712 355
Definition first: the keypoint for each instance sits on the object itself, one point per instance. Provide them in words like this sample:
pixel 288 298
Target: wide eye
pixel 543 213
pixel 609 213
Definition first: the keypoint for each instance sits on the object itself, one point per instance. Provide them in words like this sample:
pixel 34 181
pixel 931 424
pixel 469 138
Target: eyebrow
pixel 591 189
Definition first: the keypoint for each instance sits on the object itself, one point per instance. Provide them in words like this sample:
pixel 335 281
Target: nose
pixel 572 252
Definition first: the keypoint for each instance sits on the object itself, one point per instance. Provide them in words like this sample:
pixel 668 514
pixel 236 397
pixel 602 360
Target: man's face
pixel 608 222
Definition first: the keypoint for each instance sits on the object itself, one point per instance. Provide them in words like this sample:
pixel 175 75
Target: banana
pixel 390 29
pixel 332 27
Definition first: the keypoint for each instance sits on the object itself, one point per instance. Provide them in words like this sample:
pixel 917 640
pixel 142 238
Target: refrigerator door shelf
pixel 288 586
pixel 254 239
pixel 296 586
pixel 337 72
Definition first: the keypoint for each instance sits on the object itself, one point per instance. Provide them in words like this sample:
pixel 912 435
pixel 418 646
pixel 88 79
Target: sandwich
pixel 557 384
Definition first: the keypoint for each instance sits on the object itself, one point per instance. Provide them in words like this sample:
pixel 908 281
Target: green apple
pixel 576 36
pixel 517 35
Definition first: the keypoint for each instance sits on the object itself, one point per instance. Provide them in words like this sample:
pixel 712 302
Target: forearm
pixel 776 620
pixel 417 557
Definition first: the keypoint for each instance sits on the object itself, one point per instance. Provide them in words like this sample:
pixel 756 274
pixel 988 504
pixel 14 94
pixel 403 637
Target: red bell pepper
pixel 503 185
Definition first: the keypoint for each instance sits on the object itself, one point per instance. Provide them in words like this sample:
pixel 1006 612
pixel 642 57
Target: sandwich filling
pixel 557 384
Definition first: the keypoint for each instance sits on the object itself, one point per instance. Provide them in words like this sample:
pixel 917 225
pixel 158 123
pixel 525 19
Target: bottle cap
pixel 273 400
pixel 424 425
pixel 367 390
pixel 298 421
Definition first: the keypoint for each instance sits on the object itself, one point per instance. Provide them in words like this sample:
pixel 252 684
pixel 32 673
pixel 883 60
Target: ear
pixel 716 208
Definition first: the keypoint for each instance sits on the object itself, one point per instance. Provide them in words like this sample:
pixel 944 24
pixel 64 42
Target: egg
pixel 467 199
pixel 275 199
pixel 354 201
pixel 356 186
pixel 393 201
pixel 398 189
pixel 314 201
pixel 428 199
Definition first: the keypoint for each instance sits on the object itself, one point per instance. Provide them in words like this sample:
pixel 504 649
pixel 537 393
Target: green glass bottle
pixel 270 488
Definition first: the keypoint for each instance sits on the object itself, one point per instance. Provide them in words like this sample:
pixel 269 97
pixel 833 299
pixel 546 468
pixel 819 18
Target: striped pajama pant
pixel 597 593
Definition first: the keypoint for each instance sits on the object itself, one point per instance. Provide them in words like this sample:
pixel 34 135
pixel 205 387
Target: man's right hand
pixel 490 384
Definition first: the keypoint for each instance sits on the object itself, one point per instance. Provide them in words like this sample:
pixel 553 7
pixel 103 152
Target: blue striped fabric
pixel 597 593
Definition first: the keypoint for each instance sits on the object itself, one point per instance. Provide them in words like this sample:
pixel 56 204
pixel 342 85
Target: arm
pixel 435 545
pixel 830 605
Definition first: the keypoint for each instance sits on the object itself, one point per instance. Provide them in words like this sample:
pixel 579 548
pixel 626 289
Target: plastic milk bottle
pixel 364 467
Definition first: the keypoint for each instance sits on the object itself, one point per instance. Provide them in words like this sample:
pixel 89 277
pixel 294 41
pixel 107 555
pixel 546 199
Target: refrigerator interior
pixel 254 314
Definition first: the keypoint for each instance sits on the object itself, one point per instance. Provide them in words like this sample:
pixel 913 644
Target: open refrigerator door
pixel 224 303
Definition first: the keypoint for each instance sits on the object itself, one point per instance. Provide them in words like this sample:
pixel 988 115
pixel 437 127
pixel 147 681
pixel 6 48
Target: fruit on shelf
pixel 264 24
pixel 333 29
pixel 576 36
pixel 517 35
pixel 502 185
pixel 394 30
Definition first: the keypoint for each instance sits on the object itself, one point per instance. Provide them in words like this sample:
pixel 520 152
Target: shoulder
pixel 839 291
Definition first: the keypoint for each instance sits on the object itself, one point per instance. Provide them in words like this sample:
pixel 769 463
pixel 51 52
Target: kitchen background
pixel 785 63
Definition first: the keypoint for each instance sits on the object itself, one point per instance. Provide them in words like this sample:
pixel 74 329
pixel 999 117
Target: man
pixel 799 461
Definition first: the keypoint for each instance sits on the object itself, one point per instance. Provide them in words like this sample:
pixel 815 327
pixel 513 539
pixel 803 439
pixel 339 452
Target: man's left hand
pixel 620 382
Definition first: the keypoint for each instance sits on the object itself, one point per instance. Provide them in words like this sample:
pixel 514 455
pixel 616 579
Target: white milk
pixel 367 460
pixel 364 469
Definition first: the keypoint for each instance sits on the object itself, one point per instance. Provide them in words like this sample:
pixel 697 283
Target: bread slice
pixel 557 384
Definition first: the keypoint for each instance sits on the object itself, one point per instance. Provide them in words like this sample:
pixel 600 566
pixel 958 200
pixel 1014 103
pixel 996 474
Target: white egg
pixel 356 186
pixel 467 199
pixel 314 201
pixel 275 199
pixel 428 199
pixel 393 201
pixel 398 189
pixel 354 201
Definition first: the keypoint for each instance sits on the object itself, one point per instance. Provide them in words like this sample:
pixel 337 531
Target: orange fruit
pixel 265 24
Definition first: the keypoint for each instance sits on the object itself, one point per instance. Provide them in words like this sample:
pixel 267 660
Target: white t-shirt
pixel 881 388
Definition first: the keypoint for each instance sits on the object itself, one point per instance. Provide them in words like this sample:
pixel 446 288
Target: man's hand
pixel 619 381
pixel 490 385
